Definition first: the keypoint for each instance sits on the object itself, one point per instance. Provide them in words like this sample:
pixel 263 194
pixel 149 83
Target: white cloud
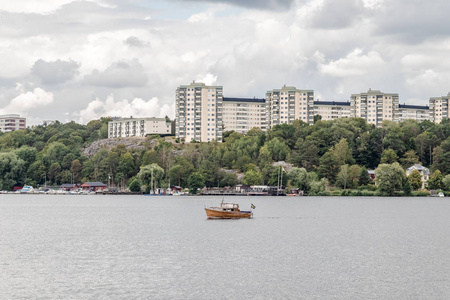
pixel 334 47
pixel 373 4
pixel 124 108
pixel 356 63
pixel 26 102
pixel 208 79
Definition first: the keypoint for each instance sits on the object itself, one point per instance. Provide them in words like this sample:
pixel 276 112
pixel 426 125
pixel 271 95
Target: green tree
pixel 298 178
pixel 195 182
pixel 126 165
pixel 317 187
pixel 135 185
pixel 389 178
pixel 53 172
pixel 228 179
pixel 327 166
pixel 12 170
pixel 409 158
pixel 446 182
pixel 343 177
pixel 151 175
pixel 253 177
pixel 280 151
pixel 407 188
pixel 388 157
pixel 180 172
pixel 342 153
pixel 364 177
pixel 415 180
pixel 354 172
pixel 435 181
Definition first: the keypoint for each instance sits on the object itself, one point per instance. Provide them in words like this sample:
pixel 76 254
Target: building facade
pixel 330 110
pixel 12 122
pixel 243 114
pixel 439 108
pixel 287 104
pixel 198 112
pixel 413 112
pixel 139 127
pixel 424 173
pixel 375 107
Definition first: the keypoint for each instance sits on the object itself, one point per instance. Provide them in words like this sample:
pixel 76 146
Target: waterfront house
pixel 69 187
pixel 424 173
pixel 93 186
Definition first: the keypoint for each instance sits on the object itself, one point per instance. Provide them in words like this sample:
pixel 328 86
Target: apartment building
pixel 242 114
pixel 139 127
pixel 287 104
pixel 330 110
pixel 11 122
pixel 198 112
pixel 439 108
pixel 374 106
pixel 413 112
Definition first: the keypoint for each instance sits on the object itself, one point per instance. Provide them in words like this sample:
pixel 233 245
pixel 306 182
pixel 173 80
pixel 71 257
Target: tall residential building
pixel 413 112
pixel 374 106
pixel 439 108
pixel 330 110
pixel 140 127
pixel 287 104
pixel 198 112
pixel 12 122
pixel 242 114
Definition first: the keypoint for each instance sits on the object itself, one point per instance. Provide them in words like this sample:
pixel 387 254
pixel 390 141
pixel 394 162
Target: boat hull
pixel 217 214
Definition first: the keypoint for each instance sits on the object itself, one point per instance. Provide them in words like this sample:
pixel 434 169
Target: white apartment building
pixel 287 104
pixel 242 114
pixel 12 122
pixel 413 112
pixel 140 127
pixel 374 106
pixel 439 108
pixel 330 110
pixel 198 112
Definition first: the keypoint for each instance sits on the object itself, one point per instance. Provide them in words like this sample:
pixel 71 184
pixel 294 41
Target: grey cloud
pixel 413 21
pixel 54 72
pixel 78 17
pixel 119 74
pixel 134 42
pixel 259 4
pixel 338 14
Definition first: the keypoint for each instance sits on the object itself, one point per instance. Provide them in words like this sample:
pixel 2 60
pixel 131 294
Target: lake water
pixel 141 247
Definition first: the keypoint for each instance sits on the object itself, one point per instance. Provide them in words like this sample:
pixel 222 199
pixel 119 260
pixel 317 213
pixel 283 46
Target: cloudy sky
pixel 80 60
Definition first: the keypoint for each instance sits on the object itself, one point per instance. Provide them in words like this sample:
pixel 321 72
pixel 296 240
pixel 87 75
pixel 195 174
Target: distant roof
pixel 94 184
pixel 256 100
pixel 69 185
pixel 419 167
pixel 413 106
pixel 342 103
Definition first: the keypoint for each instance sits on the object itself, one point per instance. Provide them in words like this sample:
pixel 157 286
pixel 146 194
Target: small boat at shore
pixel 227 211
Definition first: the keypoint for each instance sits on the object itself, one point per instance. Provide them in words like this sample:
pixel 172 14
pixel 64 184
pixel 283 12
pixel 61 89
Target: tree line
pixel 334 153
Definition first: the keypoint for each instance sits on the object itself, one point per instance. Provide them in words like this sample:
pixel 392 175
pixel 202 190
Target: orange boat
pixel 227 211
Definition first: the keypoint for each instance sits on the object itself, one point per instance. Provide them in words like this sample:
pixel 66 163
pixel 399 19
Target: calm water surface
pixel 138 247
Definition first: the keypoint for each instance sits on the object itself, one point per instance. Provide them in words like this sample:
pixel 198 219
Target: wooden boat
pixel 227 211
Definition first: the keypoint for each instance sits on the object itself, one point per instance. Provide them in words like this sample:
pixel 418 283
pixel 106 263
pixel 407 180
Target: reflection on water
pixel 137 247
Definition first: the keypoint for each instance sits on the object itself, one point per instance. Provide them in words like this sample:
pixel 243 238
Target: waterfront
pixel 138 247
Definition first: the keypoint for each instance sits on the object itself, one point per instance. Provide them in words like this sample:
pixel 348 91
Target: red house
pixel 93 186
pixel 69 186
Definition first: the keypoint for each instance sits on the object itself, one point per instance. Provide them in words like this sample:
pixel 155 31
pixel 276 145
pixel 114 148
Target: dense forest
pixel 334 153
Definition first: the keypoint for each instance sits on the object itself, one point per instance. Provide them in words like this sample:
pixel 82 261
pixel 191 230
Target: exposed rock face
pixel 287 166
pixel 129 142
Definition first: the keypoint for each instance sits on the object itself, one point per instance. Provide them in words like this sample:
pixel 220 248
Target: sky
pixel 81 60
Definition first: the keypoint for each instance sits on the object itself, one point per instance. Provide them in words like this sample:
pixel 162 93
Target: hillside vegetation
pixel 336 153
